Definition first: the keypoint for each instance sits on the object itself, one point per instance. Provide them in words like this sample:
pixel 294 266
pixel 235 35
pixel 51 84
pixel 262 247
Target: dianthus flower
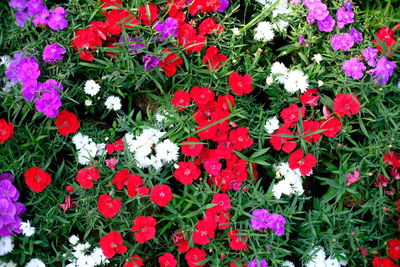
pixel 53 52
pixel 346 105
pixel 181 100
pixel 148 14
pixel 37 179
pixel 187 172
pixel 354 68
pixel 144 228
pixel 161 195
pixel 6 130
pixel 213 59
pixel 305 164
pixel 195 255
pixel 67 123
pixel 86 176
pixel 240 138
pixel 167 260
pixel 191 150
pixel 107 206
pixel 112 244
pixel 343 42
pixel 240 84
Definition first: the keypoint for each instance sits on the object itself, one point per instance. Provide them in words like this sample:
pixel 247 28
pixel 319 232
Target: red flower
pixel 148 14
pixel 346 105
pixel 240 84
pixel 86 176
pixel 240 138
pixel 111 244
pixel 387 36
pixel 116 146
pixel 209 26
pixel 161 195
pixel 181 100
pixel 305 164
pixel 107 206
pixel 382 181
pixel 222 201
pixel 135 261
pixel 191 150
pixel 383 262
pixel 116 17
pixel 189 40
pixel 212 166
pixel 37 179
pixel 204 6
pixel 201 95
pixel 67 122
pixel 213 59
pixel 180 241
pixel 394 248
pixel 170 63
pixel 144 228
pixel 187 172
pixel 205 229
pixel 332 127
pixel 167 260
pixel 223 101
pixel 195 255
pixel 6 130
pixel 223 220
pixel 392 158
pixel 85 39
pixel 281 142
pixel 309 97
pixel 309 127
pixel 238 242
pixel 290 115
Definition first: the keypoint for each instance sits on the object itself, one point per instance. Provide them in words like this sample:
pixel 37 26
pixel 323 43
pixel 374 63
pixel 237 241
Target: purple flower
pixel 295 2
pixel 344 16
pixel 7 211
pixel 327 24
pixel 41 19
pixel 20 208
pixel 7 190
pixel 318 11
pixel 30 89
pixel 49 103
pixel 21 16
pixel 7 176
pixel 383 71
pixel 168 28
pixel 258 263
pixel 310 3
pixel 277 223
pixel 134 44
pixel 28 69
pixel 150 62
pixel 18 4
pixel 370 55
pixel 348 4
pixel 344 42
pixel 57 19
pixel 357 36
pixel 354 68
pixel 53 52
pixel 301 39
pixel 223 5
pixel 35 7
pixel 260 218
pixel 52 86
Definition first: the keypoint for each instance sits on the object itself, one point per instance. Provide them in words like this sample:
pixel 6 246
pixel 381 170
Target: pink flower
pixel 382 181
pixel 352 178
pixel 111 163
pixel 213 166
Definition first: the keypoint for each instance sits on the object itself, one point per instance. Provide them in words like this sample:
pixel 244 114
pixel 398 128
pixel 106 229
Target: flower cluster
pixel 81 256
pixel 10 208
pixel 263 220
pixel 293 80
pixel 39 13
pixel 392 159
pixel 291 183
pixel 87 149
pixel 318 258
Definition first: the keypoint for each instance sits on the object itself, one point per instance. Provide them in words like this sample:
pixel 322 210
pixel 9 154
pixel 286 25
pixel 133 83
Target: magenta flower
pixel 53 52
pixel 150 62
pixel 213 166
pixel 28 69
pixel 326 25
pixel 49 103
pixel 111 163
pixel 382 181
pixel 277 223
pixel 29 89
pixel 56 20
pixel 35 7
pixel 352 178
pixel 259 221
pixel 370 55
pixel 344 41
pixel 357 36
pixel 354 68
pixel 344 16
pixel 41 18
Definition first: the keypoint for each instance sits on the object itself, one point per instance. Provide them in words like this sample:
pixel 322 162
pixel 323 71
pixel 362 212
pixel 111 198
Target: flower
pixel 213 59
pixel 240 139
pixel 258 263
pixel 28 69
pixel 107 206
pixel 49 103
pixel 195 255
pixel 291 114
pixel 394 248
pixel 112 244
pixel 73 239
pixel 161 195
pixel 259 220
pixel 384 261
pixel 240 84
pixel 212 166
pixel 53 52
pixel 150 62
pixel 35 263
pixel 191 150
pixel 357 36
pixel 332 127
pixel 85 176
pixel 27 229
pixel 222 202
pixel 181 100
pixel 6 130
pixel 167 260
pixel 344 16
pixel 282 142
pixel 305 164
pixel 317 58
pixel 271 125
pixel 56 20
pixel 6 245
pixel 187 172
pixel 309 97
pixel 383 71
pixel 277 223
pixel 209 26
pixel 344 41
pixel 170 63
pixel 237 241
pixel 382 181
pixel 296 80
pixel 346 105
pixel 37 179
pixel 166 29
pixel 352 178
pixel 144 228
pixel 392 158
pixel 113 103
pixel 148 14
pixel 91 88
pixel 135 261
pixel 67 123
pixel 370 55
pixel 201 95
pixel 264 32
pixel 309 128
pixel 279 71
pixel 354 68
pixel 205 229
pixel 326 25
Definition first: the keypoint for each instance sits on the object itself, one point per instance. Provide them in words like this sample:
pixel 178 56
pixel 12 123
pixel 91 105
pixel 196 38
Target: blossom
pixel 135 261
pixel 383 71
pixel 282 142
pixel 240 138
pixel 170 63
pixel 113 103
pixel 107 206
pixel 357 36
pixel 240 84
pixel 37 179
pixel 201 95
pixel 296 80
pixel 258 263
pixel 237 241
pixel 91 88
pixel 309 127
pixel 212 166
pixel 382 181
pixel 259 220
pixel 326 25
pixel 168 28
pixel 6 130
pixel 343 42
pixel 344 16
pixel 27 229
pixel 189 40
pixel 354 68
pixel 49 103
pixel 205 229
pixel 277 223
pixel 187 172
pixel 291 114
pixel 332 127
pixel 384 261
pixel 309 97
pixel 53 52
pixel 213 59
pixel 111 244
pixel 28 69
pixel 135 44
pixel 161 195
pixel 191 150
pixel 346 105
pixel 264 32
pixel 352 178
pixel 305 164
pixel 6 245
pixel 167 260
pixel 392 158
pixel 195 255
pixel 150 61
pixel 148 14
pixel 167 151
pixel 279 71
pixel 144 228
pixel 394 248
pixel 56 20
pixel 181 100
pixel 86 176
pixel 370 55
pixel 35 263
pixel 317 58
pixel 271 125
pixel 209 26
pixel 67 123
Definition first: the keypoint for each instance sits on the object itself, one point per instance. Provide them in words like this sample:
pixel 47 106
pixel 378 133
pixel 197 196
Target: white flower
pixel 332 262
pixel 296 80
pixel 79 247
pixel 6 245
pixel 113 103
pixel 160 118
pixel 264 32
pixel 236 31
pixel 35 263
pixel 80 140
pixel 317 58
pixel 281 25
pixel 283 187
pixel 271 125
pixel 5 60
pixel 320 83
pixel 291 184
pixel 98 256
pixel 287 264
pixel 73 239
pixel 317 257
pixel 269 80
pixel 91 88
pixel 88 152
pixel 85 261
pixel 281 8
pixel 8 264
pixel 101 149
pixel 88 102
pixel 167 151
pixel 279 71
pixel 27 229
